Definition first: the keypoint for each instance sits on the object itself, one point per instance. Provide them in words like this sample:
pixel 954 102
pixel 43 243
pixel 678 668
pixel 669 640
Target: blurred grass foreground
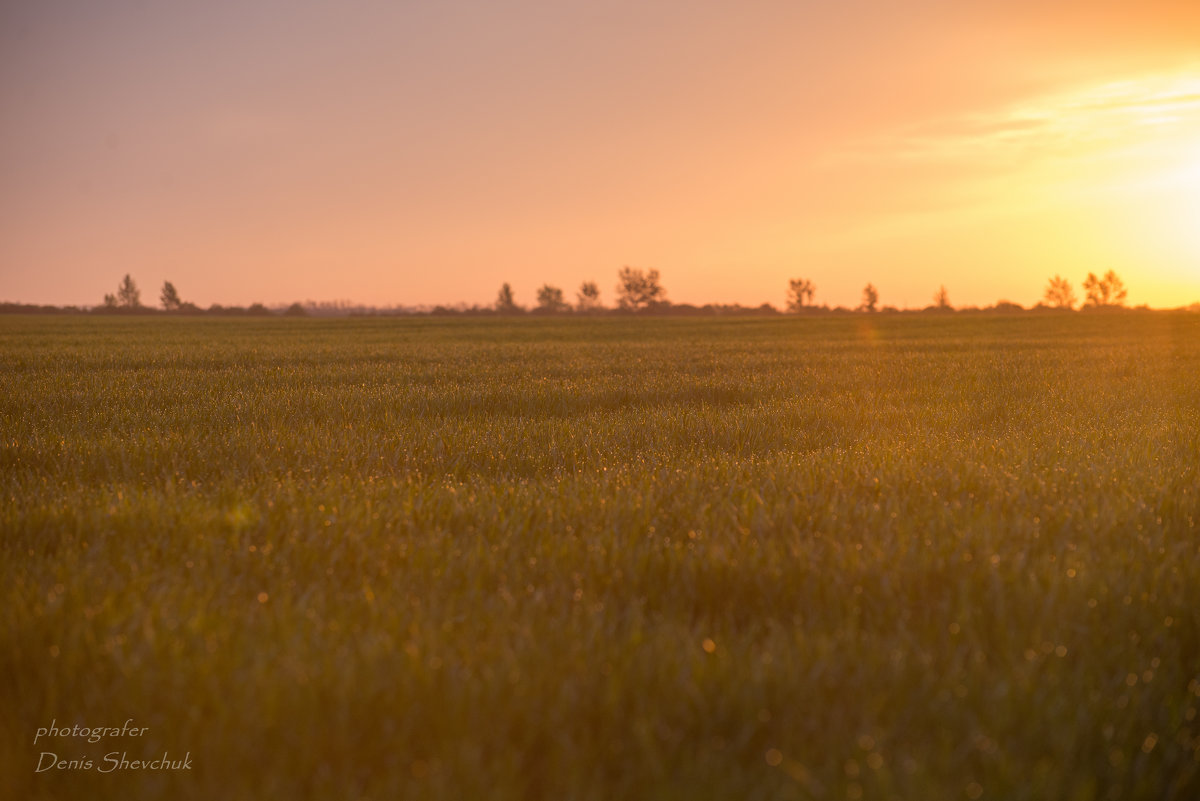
pixel 861 557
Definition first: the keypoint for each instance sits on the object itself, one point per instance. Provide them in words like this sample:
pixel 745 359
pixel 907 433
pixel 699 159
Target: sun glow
pixel 420 157
pixel 1100 177
pixel 1186 205
pixel 1155 180
pixel 1151 171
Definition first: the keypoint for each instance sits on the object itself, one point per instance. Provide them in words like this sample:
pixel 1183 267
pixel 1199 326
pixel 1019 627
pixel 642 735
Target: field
pixel 616 558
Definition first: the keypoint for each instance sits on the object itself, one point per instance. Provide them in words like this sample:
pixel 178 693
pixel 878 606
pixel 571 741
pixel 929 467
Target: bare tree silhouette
pixel 504 300
pixel 637 290
pixel 550 299
pixel 1106 291
pixel 800 294
pixel 870 298
pixel 170 297
pixel 1059 293
pixel 941 299
pixel 128 294
pixel 588 296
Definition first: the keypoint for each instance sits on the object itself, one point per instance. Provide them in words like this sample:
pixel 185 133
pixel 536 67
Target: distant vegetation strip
pixel 637 291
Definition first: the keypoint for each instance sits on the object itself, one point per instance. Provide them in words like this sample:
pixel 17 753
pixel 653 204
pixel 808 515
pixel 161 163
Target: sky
pixel 408 153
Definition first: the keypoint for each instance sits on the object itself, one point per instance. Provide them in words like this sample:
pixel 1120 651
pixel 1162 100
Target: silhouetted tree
pixel 550 299
pixel 1106 291
pixel 504 300
pixel 941 299
pixel 1059 293
pixel 637 290
pixel 1116 288
pixel 800 294
pixel 295 310
pixel 128 294
pixel 170 297
pixel 588 296
pixel 870 298
pixel 110 301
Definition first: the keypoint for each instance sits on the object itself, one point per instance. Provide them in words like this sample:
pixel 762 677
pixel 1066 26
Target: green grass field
pixel 861 557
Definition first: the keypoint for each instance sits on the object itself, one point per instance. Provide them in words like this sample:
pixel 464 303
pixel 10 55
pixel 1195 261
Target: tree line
pixel 1105 292
pixel 643 291
pixel 637 291
pixel 128 299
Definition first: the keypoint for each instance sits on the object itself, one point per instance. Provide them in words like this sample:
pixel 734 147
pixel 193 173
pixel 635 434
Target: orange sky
pixel 422 153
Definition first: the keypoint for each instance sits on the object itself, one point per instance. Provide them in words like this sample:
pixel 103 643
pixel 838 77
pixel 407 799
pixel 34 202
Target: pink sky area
pixel 424 153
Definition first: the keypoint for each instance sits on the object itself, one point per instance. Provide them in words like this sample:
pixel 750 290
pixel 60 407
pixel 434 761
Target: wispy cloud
pixel 1089 121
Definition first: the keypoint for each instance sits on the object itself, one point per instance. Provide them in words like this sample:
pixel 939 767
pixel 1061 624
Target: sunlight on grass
pixel 593 559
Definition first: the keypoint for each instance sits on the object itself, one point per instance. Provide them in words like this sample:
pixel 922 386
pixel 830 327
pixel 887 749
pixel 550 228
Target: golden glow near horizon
pixel 260 151
pixel 1100 177
pixel 1143 173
